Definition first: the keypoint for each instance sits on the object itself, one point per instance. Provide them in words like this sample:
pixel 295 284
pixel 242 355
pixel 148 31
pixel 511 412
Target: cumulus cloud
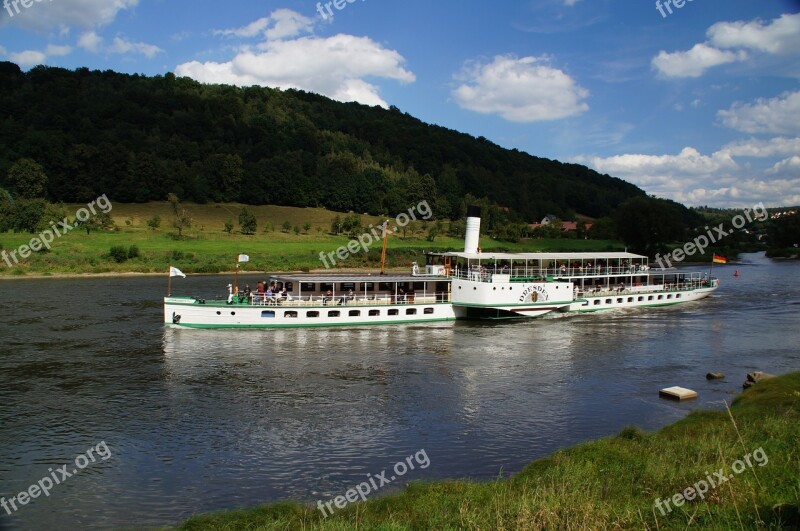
pixel 124 46
pixel 694 62
pixel 281 24
pixel 780 115
pixel 786 166
pixel 696 179
pixel 27 58
pixel 45 16
pixel 780 36
pixel 773 147
pixel 525 89
pixel 728 42
pixel 90 41
pixel 334 66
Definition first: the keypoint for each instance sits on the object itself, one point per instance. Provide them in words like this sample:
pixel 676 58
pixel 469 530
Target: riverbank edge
pixel 610 482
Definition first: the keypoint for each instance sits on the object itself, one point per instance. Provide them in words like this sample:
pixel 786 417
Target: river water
pixel 204 420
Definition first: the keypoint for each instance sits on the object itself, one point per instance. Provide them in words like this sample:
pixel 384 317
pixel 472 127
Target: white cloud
pixel 280 24
pixel 694 62
pixel 57 50
pixel 696 179
pixel 774 147
pixel 90 41
pixel 2 51
pixel 27 58
pixel 62 14
pixel 571 3
pixel 124 46
pixel 780 36
pixel 786 166
pixel 780 115
pixel 335 66
pixel 523 89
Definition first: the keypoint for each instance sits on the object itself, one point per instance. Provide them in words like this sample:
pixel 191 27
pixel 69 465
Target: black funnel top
pixel 473 211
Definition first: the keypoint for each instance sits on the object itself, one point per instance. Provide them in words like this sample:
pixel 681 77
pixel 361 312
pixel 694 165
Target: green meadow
pixel 207 248
pixel 611 483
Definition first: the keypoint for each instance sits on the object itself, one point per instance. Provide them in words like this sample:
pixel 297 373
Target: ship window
pixel 630 299
pixel 308 286
pixel 428 311
pixel 346 286
pixel 312 314
pixel 374 313
pixel 678 296
pixel 619 300
pixel 394 312
pixel 219 313
pixel 419 286
pixel 290 315
pixel 268 314
pixel 334 313
pixel 326 286
pixel 650 298
pixel 411 311
pixel 669 296
pixel 386 286
pixel 597 302
pixel 289 286
pixel 355 313
pixel 608 301
pixel 367 286
pixel 233 313
pixel 660 297
pixel 640 299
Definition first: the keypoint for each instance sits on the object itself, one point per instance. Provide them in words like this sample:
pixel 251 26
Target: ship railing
pixel 534 274
pixel 602 291
pixel 350 300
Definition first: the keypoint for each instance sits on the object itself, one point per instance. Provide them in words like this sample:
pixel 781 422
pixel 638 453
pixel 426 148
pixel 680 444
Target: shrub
pixel 133 252
pixel 118 253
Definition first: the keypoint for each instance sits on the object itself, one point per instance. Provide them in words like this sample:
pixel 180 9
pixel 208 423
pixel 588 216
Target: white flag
pixel 175 272
pixel 243 258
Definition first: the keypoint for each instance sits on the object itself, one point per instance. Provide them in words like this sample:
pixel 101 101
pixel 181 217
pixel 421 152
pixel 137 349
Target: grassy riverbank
pixel 611 483
pixel 207 248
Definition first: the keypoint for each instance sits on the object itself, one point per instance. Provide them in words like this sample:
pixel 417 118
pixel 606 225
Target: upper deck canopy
pixel 544 256
pixel 334 278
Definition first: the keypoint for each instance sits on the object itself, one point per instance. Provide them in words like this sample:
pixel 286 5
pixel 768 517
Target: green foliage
pixel 784 231
pixel 118 253
pixel 296 230
pixel 352 225
pixel 247 222
pixel 154 223
pixel 228 227
pixel 133 252
pixel 306 227
pixel 647 224
pixel 183 219
pixel 27 215
pixel 336 225
pixel 26 178
pixel 150 136
pixel 286 227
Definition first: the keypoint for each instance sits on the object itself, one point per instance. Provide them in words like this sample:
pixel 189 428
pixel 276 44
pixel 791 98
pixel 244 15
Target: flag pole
pixel 169 279
pixel 236 276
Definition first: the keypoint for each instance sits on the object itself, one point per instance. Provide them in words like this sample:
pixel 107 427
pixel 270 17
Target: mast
pixel 383 250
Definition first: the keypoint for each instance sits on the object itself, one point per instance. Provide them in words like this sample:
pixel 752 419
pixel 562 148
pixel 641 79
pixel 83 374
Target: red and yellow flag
pixel 720 259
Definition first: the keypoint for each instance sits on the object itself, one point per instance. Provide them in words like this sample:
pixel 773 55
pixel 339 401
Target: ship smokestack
pixel 473 231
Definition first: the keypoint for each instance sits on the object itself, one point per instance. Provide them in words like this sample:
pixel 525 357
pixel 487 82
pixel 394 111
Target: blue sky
pixel 701 105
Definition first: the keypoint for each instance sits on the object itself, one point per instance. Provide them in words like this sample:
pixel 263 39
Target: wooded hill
pixel 138 138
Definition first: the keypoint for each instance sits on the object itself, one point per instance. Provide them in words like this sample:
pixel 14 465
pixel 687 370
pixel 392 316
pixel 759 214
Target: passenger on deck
pixel 328 297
